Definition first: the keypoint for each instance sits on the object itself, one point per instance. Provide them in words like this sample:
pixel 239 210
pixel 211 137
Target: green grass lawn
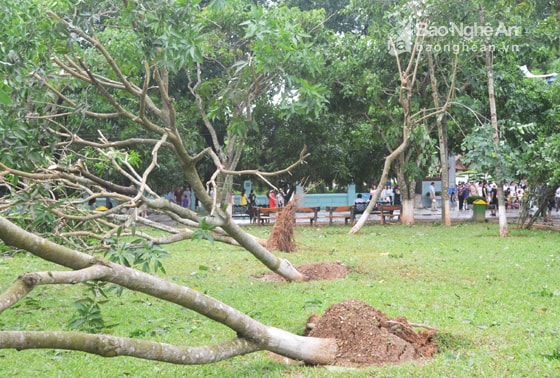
pixel 495 302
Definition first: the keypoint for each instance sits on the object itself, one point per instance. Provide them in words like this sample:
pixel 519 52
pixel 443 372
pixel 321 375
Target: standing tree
pixel 405 110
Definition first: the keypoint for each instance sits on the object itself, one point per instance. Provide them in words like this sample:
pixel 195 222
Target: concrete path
pixel 420 215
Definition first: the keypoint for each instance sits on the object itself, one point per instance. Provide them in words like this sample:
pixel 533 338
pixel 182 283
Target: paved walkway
pixel 420 215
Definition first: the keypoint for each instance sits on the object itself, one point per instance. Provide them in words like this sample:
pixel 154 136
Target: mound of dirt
pixel 314 272
pixel 365 336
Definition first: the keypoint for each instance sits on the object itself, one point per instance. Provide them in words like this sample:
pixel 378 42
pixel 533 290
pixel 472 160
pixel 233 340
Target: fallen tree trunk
pixel 252 335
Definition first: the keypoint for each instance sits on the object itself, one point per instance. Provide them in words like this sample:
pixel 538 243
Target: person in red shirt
pixel 179 196
pixel 271 199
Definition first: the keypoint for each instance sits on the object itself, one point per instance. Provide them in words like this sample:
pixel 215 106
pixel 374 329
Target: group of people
pixel 513 193
pixel 484 189
pixel 248 201
pixel 179 196
pixel 276 199
pixel 389 195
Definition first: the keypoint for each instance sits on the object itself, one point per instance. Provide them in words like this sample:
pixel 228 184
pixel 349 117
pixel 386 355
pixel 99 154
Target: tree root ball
pixel 365 336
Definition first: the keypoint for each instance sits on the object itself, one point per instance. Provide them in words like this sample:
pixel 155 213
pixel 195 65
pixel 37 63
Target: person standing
pixel 466 195
pixel 397 196
pixel 486 192
pixel 271 199
pixel 433 196
pixel 187 197
pixel 252 199
pixel 493 192
pixel 178 196
pixel 280 199
pixel 557 198
pixel 244 201
pixel 461 195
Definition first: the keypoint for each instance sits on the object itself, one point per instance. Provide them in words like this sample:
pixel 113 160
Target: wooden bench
pixel 266 214
pixel 384 211
pixel 340 212
pixel 359 208
pixel 308 213
pixel 391 211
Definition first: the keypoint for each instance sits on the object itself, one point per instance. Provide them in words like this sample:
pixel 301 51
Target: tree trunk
pixel 407 214
pixel 442 139
pixel 254 334
pixel 496 137
pixel 384 175
pixel 408 192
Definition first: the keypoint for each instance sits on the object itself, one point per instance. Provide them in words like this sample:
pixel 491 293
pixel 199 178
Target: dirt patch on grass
pixel 313 272
pixel 365 336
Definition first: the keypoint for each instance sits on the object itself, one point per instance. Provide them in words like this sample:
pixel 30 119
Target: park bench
pixel 359 208
pixel 307 213
pixel 389 211
pixel 265 214
pixel 340 212
pixel 382 209
pixel 348 213
pixel 239 211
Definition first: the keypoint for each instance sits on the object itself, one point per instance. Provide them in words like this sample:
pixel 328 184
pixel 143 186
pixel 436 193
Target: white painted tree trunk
pixel 407 215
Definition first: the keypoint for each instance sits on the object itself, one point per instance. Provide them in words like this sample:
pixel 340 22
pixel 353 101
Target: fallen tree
pixel 252 335
pixel 96 123
pixel 101 109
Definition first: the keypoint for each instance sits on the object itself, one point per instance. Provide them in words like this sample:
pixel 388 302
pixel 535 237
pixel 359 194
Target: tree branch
pixel 27 282
pixel 100 48
pixel 112 346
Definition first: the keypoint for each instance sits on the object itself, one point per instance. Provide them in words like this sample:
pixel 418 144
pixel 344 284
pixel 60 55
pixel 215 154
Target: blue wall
pixel 322 200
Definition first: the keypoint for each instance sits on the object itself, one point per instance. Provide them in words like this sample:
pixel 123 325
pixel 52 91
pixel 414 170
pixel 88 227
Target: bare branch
pixel 25 283
pixel 113 346
pixel 199 103
pixel 130 88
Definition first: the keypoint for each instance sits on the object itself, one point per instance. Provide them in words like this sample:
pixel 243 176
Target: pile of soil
pixel 366 336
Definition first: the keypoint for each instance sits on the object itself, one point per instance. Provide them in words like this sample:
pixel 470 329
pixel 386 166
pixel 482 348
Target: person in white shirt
pixel 557 198
pixel 433 196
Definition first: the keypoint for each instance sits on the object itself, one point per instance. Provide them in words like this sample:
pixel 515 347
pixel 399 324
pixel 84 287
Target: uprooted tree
pixel 137 82
pixel 106 110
